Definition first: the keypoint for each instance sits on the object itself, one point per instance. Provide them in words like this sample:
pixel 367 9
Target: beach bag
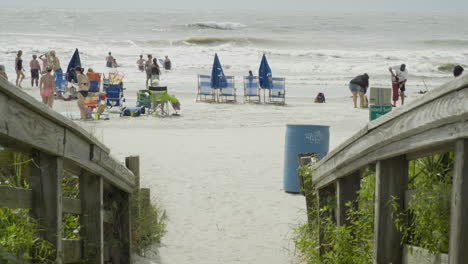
pixel 320 98
pixel 134 111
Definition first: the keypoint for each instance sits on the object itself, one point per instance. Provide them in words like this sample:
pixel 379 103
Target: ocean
pixel 315 51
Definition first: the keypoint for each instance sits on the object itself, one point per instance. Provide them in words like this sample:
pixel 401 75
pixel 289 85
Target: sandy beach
pixel 218 171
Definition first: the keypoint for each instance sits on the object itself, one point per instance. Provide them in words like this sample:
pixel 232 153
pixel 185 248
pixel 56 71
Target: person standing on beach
pixel 43 58
pixel 399 78
pixel 35 70
pixel 54 63
pixel 148 69
pixel 83 88
pixel 155 70
pixel 47 87
pixel 109 60
pixel 2 72
pixel 141 63
pixel 457 71
pixel 358 86
pixel 19 68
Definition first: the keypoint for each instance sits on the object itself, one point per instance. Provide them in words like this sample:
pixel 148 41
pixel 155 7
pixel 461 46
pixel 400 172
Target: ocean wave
pixel 216 25
pixel 225 40
pixel 446 42
pixel 447 67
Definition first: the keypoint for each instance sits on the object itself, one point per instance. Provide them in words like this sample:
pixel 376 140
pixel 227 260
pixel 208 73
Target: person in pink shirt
pixel 35 70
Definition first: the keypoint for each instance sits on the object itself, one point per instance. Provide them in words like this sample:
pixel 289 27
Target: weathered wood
pixel 91 196
pixel 391 182
pixel 417 255
pixel 15 197
pixel 30 128
pixel 419 142
pixel 3 116
pixel 133 164
pixel 72 250
pixel 433 150
pixel 46 174
pixel 76 148
pixel 458 248
pixel 125 229
pixel 346 191
pixel 448 109
pixel 72 206
pixel 19 96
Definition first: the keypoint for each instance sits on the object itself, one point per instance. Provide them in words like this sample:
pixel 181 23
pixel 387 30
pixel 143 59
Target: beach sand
pixel 218 171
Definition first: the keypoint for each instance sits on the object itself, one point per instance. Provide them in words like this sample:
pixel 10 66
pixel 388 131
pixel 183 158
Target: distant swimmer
pixel 457 70
pixel 148 68
pixel 115 64
pixel 155 71
pixel 19 68
pixel 109 60
pixel 399 78
pixel 358 86
pixel 35 70
pixel 43 58
pixel 2 72
pixel 141 63
pixel 47 87
pixel 167 63
pixel 250 74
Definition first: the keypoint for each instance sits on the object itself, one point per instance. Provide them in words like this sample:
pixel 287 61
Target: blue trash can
pixel 302 139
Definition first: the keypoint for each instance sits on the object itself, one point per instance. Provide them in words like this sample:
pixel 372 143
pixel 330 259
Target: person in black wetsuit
pixel 19 69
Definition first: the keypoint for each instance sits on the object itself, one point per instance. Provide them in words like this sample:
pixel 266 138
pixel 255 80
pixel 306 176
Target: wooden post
pixel 92 227
pixel 133 164
pixel 391 181
pixel 346 191
pixel 458 252
pixel 46 174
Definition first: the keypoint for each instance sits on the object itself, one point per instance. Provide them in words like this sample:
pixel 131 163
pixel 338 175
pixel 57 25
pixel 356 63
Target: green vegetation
pixel 425 223
pixel 148 223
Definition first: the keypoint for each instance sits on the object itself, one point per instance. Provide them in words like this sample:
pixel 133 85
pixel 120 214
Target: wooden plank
pixel 458 246
pixel 72 206
pixel 30 128
pixel 447 88
pixel 425 140
pixel 76 148
pixel 4 115
pixel 446 110
pixel 347 191
pixel 19 96
pixel 133 164
pixel 437 149
pixel 391 182
pixel 46 174
pixel 72 250
pixel 92 231
pixel 417 255
pixel 15 197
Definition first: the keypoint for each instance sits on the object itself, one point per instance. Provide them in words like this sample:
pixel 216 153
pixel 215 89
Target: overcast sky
pixel 332 5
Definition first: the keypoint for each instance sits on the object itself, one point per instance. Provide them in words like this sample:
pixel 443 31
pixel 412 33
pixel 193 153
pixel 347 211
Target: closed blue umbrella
pixel 216 73
pixel 264 74
pixel 75 61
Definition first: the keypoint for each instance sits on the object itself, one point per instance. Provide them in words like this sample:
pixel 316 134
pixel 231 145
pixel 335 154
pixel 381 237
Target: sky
pixel 328 5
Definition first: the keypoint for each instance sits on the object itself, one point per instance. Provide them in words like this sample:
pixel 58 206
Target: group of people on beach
pixel 152 69
pixel 399 74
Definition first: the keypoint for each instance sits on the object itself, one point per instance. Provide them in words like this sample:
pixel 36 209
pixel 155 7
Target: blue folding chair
pixel 114 95
pixel 251 89
pixel 278 91
pixel 227 93
pixel 205 92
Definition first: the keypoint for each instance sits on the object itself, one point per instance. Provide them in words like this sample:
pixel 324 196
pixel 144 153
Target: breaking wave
pixel 217 25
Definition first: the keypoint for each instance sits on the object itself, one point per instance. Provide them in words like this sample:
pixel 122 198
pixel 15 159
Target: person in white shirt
pixel 399 78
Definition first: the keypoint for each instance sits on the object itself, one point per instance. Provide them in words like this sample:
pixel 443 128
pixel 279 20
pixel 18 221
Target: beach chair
pixel 143 99
pixel 251 89
pixel 278 91
pixel 227 92
pixel 205 92
pixel 114 95
pixel 159 104
pixel 94 97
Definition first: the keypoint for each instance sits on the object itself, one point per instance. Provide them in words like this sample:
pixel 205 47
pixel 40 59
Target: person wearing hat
pixel 399 77
pixel 457 71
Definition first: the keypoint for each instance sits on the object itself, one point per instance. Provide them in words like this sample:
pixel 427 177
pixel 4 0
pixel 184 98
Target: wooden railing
pixel 55 145
pixel 435 123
